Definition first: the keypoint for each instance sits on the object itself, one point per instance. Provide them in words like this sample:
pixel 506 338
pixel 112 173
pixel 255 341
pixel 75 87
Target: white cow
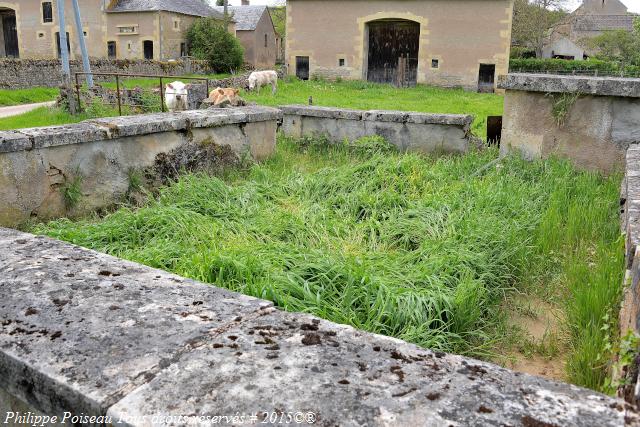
pixel 175 96
pixel 257 79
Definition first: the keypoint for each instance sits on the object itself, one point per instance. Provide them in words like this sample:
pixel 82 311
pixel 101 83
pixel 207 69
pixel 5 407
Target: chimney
pixel 245 2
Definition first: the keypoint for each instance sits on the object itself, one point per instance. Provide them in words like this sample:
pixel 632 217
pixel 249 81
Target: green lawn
pixel 153 83
pixel 27 96
pixel 363 95
pixel 422 249
pixel 347 94
pixel 51 116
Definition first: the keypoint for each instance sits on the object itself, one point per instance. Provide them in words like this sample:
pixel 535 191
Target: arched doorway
pixel 393 51
pixel 8 33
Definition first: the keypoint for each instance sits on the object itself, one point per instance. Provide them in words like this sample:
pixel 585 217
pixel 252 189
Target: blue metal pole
pixel 83 46
pixel 64 53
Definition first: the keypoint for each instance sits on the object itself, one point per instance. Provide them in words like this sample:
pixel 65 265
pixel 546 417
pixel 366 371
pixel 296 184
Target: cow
pixel 175 96
pixel 257 79
pixel 220 95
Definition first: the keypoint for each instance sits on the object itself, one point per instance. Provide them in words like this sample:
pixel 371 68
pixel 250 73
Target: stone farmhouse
pixel 115 29
pixel 447 43
pixel 254 29
pixel 592 18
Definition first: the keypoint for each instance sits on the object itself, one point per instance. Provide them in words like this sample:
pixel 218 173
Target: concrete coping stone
pixel 88 333
pixel 588 85
pixel 378 115
pixel 101 129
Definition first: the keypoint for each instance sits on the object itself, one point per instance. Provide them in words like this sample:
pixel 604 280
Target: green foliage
pixel 562 104
pixel 150 102
pixel 279 18
pixel 27 96
pixel 371 145
pixel 417 248
pixel 136 180
pixel 626 351
pixel 519 52
pixel 554 65
pixel 619 46
pixel 209 40
pixel 531 21
pixel 72 190
pixel 219 2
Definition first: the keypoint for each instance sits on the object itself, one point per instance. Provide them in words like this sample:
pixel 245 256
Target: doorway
pixel 486 78
pixel 393 52
pixel 9 34
pixel 302 67
pixel 147 47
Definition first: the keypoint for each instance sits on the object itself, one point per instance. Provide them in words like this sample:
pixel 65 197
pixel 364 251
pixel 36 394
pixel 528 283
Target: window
pixel 128 30
pixel 435 63
pixel 47 12
pixel 84 33
pixel 341 62
pixel 40 35
pixel 58 44
pixel 176 24
pixel 111 50
pixel 183 49
pixel 266 40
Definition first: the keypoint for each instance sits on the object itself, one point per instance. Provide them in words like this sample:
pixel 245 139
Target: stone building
pixel 462 43
pixel 254 29
pixel 568 39
pixel 116 29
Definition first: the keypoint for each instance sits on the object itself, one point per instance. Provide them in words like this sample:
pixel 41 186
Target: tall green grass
pixel 399 244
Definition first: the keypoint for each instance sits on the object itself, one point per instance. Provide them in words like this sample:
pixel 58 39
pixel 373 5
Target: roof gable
pixel 246 17
pixel 185 7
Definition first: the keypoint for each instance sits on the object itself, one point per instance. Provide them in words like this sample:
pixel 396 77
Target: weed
pixel 562 104
pixel 72 190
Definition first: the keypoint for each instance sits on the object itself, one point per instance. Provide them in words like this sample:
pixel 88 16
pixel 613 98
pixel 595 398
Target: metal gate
pixel 393 52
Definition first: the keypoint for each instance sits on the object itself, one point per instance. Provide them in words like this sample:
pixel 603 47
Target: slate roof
pixel 603 22
pixel 186 7
pixel 246 17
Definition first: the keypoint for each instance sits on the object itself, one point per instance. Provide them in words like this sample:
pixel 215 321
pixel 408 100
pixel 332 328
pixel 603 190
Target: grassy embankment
pixel 347 94
pixel 425 250
pixel 27 96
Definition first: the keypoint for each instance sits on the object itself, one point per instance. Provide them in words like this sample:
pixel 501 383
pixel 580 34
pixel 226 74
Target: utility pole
pixel 83 46
pixel 64 55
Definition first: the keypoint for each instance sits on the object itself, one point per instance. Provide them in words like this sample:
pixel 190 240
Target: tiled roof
pixel 186 7
pixel 246 17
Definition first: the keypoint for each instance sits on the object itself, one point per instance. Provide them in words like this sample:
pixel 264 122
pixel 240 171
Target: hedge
pixel 565 66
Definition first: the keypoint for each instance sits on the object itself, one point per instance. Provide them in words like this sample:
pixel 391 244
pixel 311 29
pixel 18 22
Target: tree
pixel 219 2
pixel 208 40
pixel 618 45
pixel 532 20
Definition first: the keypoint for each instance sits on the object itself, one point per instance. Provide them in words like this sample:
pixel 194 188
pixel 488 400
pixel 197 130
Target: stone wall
pixel 600 121
pixel 419 132
pixel 88 334
pixel 26 73
pixel 95 159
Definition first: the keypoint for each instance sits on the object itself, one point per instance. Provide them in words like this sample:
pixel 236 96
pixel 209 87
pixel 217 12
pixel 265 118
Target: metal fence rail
pixel 161 79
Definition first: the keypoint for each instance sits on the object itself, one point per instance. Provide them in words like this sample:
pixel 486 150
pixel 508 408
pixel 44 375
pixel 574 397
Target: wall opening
pixel 393 52
pixel 302 67
pixel 494 130
pixel 111 50
pixel 486 78
pixel 147 47
pixel 58 44
pixel 8 33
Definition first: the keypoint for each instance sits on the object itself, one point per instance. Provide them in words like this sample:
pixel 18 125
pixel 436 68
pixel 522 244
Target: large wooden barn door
pixel 393 52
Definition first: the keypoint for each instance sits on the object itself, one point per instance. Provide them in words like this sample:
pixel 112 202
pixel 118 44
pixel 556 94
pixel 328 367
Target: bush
pixel 564 66
pixel 209 41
